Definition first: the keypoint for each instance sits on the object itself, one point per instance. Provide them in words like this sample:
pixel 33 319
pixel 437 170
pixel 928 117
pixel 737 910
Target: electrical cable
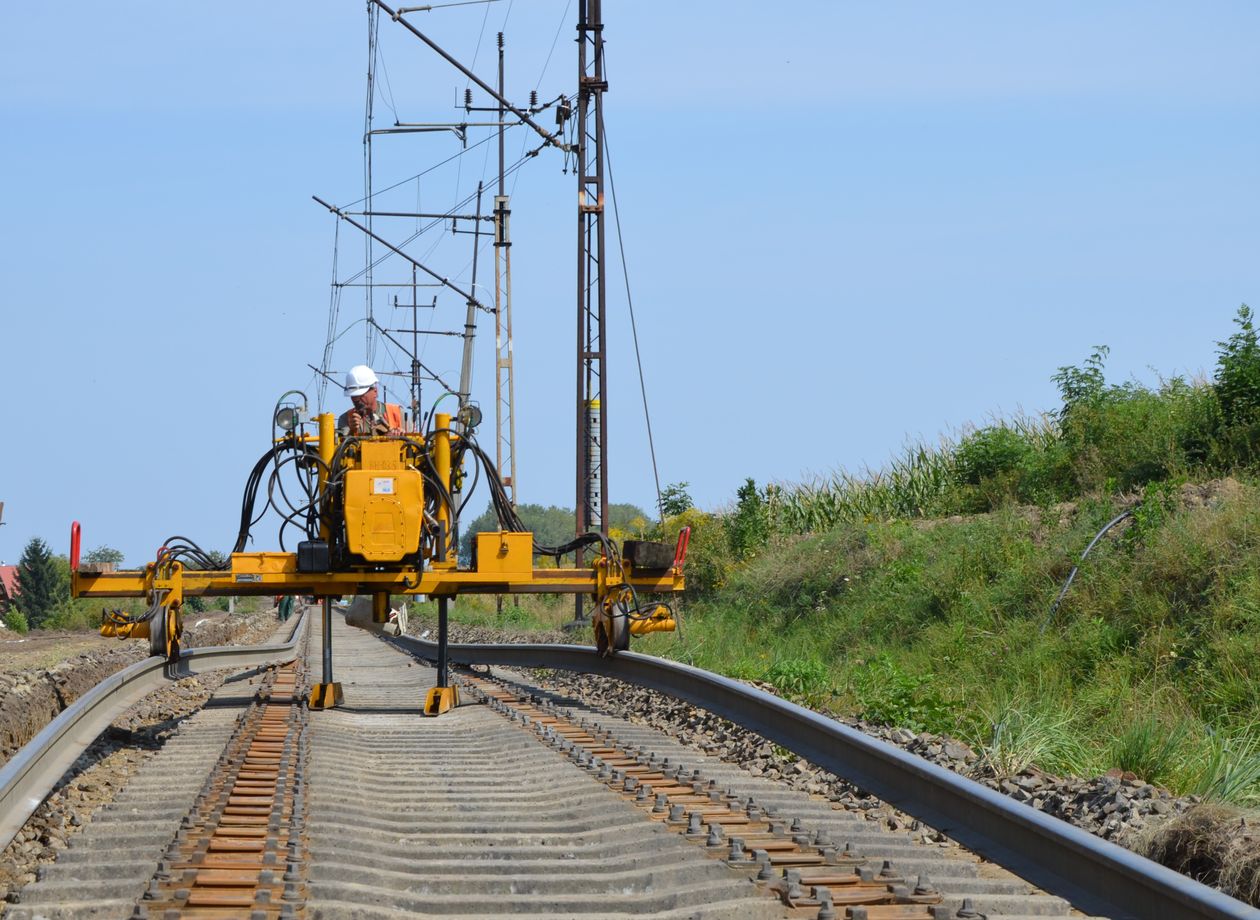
pixel 634 328
pixel 437 221
pixel 542 75
pixel 425 172
pixel 376 59
pixel 459 169
pixel 388 96
pixel 334 312
pixel 373 38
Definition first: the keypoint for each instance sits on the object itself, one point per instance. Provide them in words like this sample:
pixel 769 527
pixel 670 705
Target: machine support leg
pixel 444 696
pixel 327 640
pixel 443 610
pixel 327 693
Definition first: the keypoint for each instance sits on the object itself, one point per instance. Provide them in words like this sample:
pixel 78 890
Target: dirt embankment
pixel 32 697
pixel 122 749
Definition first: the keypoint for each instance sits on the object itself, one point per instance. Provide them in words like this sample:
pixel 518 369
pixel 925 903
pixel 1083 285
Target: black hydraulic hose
pixel 510 520
pixel 1054 608
pixel 247 501
pixel 252 483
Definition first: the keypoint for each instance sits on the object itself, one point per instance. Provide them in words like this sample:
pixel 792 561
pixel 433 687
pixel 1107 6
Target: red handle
pixel 680 551
pixel 76 534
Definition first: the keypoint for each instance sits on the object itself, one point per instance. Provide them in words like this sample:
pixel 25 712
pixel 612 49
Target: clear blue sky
pixel 847 225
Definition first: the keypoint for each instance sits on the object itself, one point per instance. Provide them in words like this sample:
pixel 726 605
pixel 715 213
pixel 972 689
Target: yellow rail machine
pixel 378 516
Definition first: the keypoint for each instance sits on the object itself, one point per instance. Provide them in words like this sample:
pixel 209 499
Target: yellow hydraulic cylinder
pixel 442 462
pixel 125 630
pixel 326 449
pixel 380 607
pixel 643 627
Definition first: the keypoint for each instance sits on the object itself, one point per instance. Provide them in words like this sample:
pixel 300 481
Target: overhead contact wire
pixel 634 327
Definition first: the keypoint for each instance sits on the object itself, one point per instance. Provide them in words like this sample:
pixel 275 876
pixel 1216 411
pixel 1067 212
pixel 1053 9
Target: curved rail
pixel 33 771
pixel 1095 875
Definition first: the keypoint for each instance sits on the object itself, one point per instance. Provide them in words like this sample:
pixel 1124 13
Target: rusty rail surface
pixel 239 851
pixel 28 777
pixel 1095 875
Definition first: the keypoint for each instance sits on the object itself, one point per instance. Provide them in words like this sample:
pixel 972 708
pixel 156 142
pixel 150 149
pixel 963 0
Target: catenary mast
pixel 592 418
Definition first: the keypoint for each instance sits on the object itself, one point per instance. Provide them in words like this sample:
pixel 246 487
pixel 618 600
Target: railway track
pixel 517 802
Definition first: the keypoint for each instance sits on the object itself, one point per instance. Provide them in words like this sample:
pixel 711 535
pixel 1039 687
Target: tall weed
pixel 1226 769
pixel 1150 748
pixel 1024 732
pixel 807 679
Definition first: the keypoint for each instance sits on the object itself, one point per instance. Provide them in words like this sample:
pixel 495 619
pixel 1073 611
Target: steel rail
pixel 28 777
pixel 1095 875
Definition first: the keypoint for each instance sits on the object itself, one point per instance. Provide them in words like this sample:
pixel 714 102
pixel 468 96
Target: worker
pixel 369 416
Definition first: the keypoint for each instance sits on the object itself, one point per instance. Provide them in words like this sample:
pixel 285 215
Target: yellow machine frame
pixel 385 498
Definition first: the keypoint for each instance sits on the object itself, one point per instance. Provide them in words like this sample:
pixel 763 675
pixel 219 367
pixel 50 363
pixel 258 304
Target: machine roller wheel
pixel 612 624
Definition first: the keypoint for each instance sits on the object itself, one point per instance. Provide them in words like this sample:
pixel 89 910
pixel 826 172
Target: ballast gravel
pixel 1117 806
pixel 134 737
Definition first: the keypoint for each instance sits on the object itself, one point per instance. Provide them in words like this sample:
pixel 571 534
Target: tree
pixel 748 528
pixel 104 555
pixel 1237 381
pixel 1082 385
pixel 43 586
pixel 551 525
pixel 675 499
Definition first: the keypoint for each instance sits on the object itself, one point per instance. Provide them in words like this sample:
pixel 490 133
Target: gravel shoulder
pixel 1118 807
pixel 135 737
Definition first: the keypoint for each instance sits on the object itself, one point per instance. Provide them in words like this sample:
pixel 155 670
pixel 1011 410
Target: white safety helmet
pixel 359 379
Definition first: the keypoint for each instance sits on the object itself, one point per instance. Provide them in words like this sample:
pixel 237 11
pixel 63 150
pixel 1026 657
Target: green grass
pixel 1150 664
pixel 921 594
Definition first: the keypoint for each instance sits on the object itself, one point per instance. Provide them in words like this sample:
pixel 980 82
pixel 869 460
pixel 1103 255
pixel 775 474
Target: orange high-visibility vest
pixel 393 416
pixel 390 413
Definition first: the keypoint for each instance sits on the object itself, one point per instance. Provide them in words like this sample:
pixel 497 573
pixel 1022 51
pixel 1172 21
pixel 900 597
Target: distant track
pixel 538 805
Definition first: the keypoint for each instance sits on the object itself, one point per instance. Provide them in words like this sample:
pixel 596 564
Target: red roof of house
pixel 9 581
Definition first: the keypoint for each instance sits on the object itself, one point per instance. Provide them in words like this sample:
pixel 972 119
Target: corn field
pixel 919 483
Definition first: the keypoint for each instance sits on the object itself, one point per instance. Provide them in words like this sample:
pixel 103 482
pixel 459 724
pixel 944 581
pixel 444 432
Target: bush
pixel 990 452
pixel 917 483
pixel 1124 436
pixel 16 621
pixel 1020 732
pixel 81 615
pixel 1152 513
pixel 804 678
pixel 888 695
pixel 1237 381
pixel 1103 438
pixel 708 562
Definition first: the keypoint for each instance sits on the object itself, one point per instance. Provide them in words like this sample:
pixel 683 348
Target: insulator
pixel 467 98
pixel 500 39
pixel 533 98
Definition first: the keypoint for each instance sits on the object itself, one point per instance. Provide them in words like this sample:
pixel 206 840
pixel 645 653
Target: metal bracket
pixel 440 699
